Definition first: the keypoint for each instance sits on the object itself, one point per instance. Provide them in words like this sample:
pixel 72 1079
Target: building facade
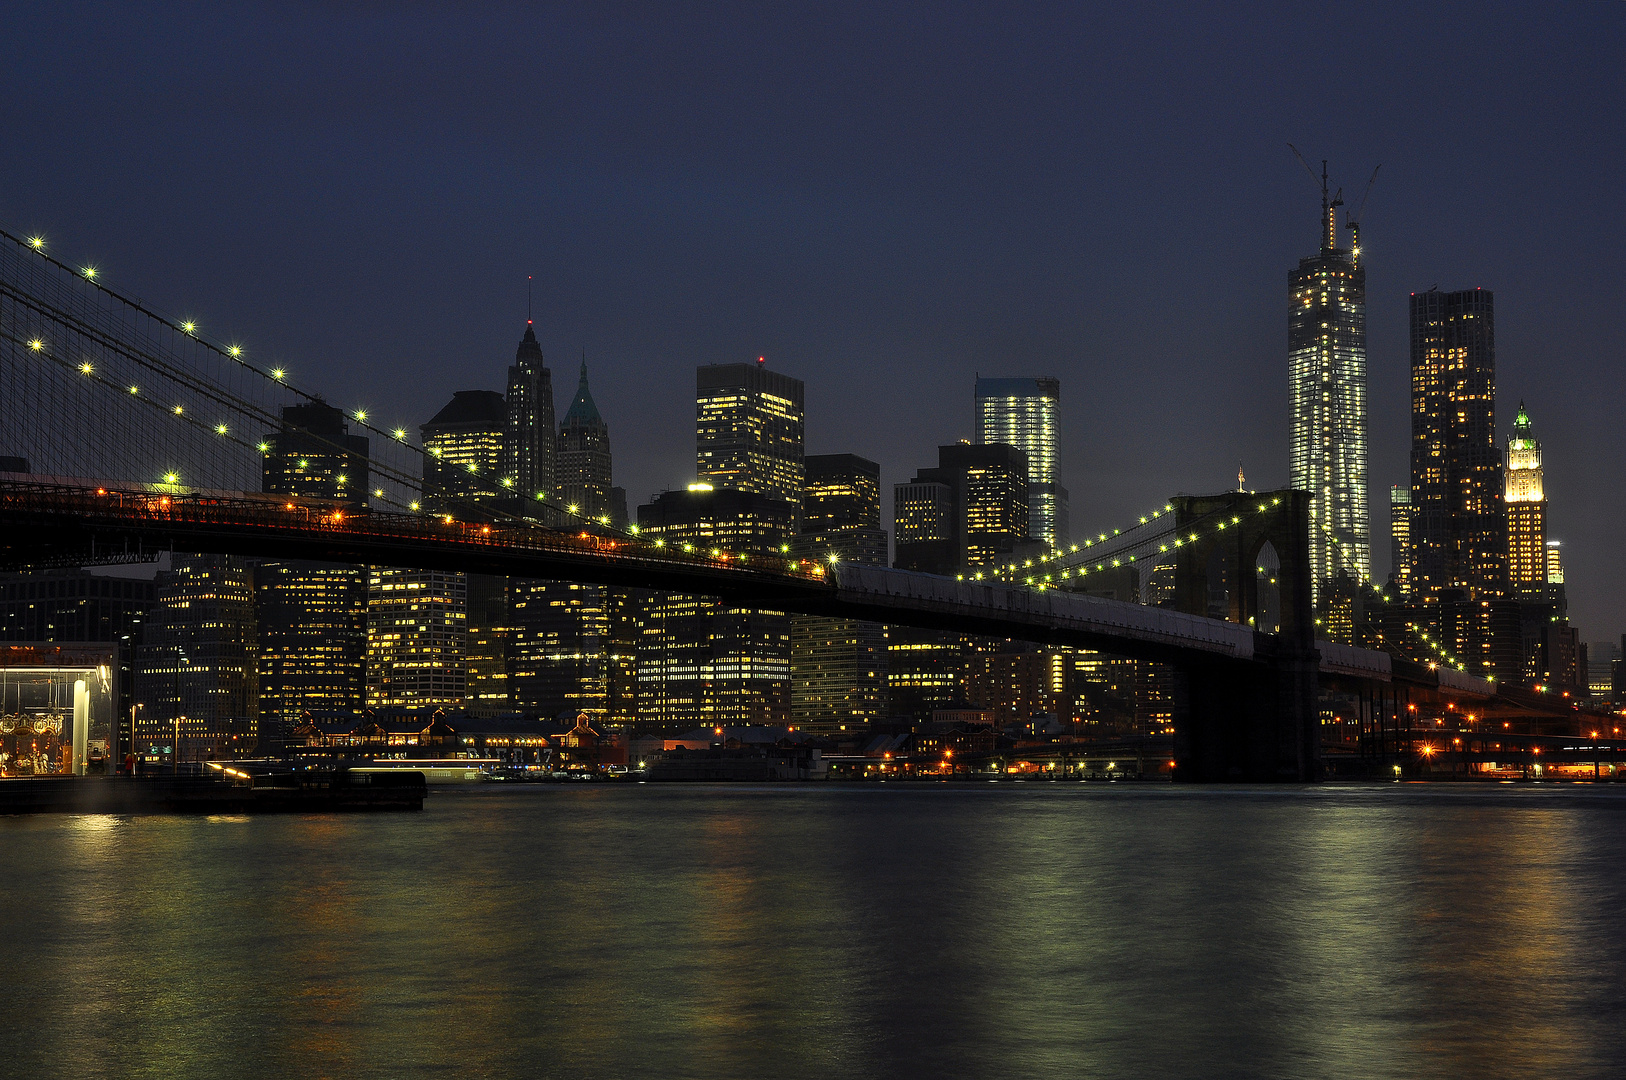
pixel 969 512
pixel 313 454
pixel 1400 538
pixel 1024 413
pixel 1526 500
pixel 417 638
pixel 312 632
pixel 463 449
pixel 838 666
pixel 1458 536
pixel 582 461
pixel 528 442
pixel 1326 345
pixel 749 429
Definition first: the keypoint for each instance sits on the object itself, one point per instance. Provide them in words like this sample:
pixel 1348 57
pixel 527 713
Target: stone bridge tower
pixel 1250 564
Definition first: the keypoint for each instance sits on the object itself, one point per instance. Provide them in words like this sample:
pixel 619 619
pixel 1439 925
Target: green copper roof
pixel 582 409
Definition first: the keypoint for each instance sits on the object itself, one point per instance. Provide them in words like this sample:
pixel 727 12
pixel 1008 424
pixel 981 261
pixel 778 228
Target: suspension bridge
pixel 130 432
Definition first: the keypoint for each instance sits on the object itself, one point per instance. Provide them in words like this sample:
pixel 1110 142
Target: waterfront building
pixel 463 448
pixel 838 666
pixel 1326 344
pixel 196 679
pixel 528 444
pixel 749 429
pixel 1458 532
pixel 1526 503
pixel 582 462
pixel 312 635
pixel 969 512
pixel 1400 538
pixel 313 454
pixel 417 637
pixel 1024 413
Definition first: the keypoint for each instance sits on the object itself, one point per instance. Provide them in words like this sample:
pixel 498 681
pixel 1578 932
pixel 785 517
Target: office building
pixel 749 430
pixel 969 512
pixel 312 634
pixel 417 638
pixel 196 680
pixel 838 666
pixel 313 454
pixel 1458 532
pixel 1557 594
pixel 485 656
pixel 463 450
pixel 1526 503
pixel 560 655
pixel 583 460
pixel 1326 344
pixel 1400 538
pixel 1601 659
pixel 529 441
pixel 701 661
pixel 1024 413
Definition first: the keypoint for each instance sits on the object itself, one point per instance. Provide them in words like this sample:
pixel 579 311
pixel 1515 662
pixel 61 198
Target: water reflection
pixel 990 930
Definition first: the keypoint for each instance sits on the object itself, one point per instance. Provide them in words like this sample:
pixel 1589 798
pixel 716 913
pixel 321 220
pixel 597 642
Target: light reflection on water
pixel 1032 930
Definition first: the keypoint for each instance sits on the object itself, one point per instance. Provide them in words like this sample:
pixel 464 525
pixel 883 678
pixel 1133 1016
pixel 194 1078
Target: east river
pixel 1011 930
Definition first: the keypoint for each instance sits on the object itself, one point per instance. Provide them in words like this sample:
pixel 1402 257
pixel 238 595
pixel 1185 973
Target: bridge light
pixel 172 478
pixel 448 519
pixel 135 389
pixel 36 344
pixel 473 467
pixel 659 542
pixel 508 481
pixel 304 463
pixel 220 429
pixel 784 549
pixel 341 478
pixel 37 243
pixel 361 415
pixel 189 326
pixel 571 509
pixel 412 506
pixel 1143 520
pixel 604 519
pixel 277 373
pixel 688 547
pixel 85 368
pixel 834 559
pixel 399 433
pixel 288 506
pixel 1075 547
pixel 90 273
pixel 177 410
pixel 378 493
pixel 236 350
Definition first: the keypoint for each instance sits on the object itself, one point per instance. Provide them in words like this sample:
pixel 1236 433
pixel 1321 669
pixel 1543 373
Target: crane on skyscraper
pixel 1353 221
pixel 1327 205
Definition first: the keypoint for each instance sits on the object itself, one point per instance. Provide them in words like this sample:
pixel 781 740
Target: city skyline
pixel 888 287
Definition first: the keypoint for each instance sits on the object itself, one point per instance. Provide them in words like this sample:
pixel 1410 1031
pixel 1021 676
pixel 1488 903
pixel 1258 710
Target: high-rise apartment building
pixel 463 447
pixel 749 430
pixel 1400 537
pixel 1526 503
pixel 1458 537
pixel 313 454
pixel 970 511
pixel 529 439
pixel 1024 413
pixel 197 681
pixel 1326 348
pixel 582 463
pixel 838 666
pixel 417 638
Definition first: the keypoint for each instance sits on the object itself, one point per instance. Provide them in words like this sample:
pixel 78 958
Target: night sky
pixel 883 200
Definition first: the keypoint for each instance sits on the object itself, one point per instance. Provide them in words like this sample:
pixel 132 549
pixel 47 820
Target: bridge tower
pixel 1260 721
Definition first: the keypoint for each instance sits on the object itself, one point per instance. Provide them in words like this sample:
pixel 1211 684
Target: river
pixel 884 930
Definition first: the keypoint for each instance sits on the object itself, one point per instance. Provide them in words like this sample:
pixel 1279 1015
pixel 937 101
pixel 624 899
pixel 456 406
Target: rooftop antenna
pixel 528 296
pixel 1353 221
pixel 1329 240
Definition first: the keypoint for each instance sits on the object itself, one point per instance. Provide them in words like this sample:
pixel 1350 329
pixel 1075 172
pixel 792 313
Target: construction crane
pixel 1330 206
pixel 1353 221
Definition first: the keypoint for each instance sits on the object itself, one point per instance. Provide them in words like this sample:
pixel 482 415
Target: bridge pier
pixel 1248 723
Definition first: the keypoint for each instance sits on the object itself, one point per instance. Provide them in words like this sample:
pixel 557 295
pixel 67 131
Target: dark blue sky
pixel 883 200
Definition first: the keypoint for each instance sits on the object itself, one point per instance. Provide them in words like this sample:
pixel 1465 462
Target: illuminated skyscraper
pixel 1326 360
pixel 528 442
pixel 463 447
pixel 1023 413
pixel 312 640
pixel 838 666
pixel 1400 537
pixel 582 466
pixel 749 430
pixel 417 637
pixel 969 512
pixel 1458 532
pixel 1526 512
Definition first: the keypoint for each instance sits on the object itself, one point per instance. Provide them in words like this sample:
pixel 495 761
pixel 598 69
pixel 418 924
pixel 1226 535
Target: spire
pixel 582 409
pixel 1521 423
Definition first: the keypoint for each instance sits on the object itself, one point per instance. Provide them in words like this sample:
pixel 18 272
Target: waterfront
pixel 831 930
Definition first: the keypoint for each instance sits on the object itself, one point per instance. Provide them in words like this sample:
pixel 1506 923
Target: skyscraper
pixel 582 466
pixel 313 454
pixel 312 620
pixel 1526 512
pixel 1400 537
pixel 1326 350
pixel 749 430
pixel 1458 528
pixel 838 666
pixel 970 511
pixel 417 636
pixel 529 439
pixel 1023 413
pixel 463 447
